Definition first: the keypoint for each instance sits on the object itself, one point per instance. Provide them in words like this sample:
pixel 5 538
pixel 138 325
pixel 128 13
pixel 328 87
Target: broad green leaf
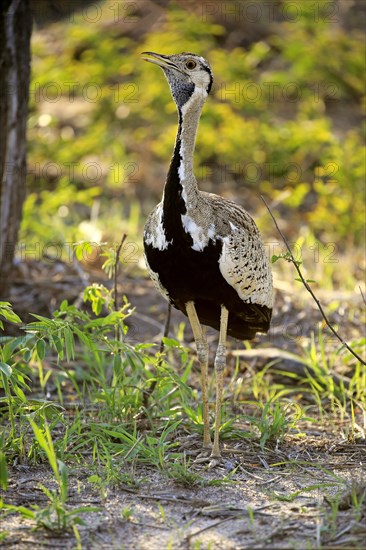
pixel 40 349
pixel 8 314
pixel 6 369
pixel 45 442
pixel 20 393
pixel 69 343
pixel 3 471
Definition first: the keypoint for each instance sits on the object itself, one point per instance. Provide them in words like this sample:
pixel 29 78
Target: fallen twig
pixel 211 526
pixel 230 512
pixel 308 288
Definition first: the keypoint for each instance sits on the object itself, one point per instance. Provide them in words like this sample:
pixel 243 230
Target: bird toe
pixel 220 462
pixel 214 461
pixel 203 456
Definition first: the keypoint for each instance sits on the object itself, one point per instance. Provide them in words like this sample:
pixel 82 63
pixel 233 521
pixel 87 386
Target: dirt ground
pixel 245 513
pixel 277 497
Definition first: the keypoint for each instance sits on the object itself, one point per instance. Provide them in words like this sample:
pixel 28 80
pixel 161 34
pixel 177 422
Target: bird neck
pixel 189 116
pixel 181 188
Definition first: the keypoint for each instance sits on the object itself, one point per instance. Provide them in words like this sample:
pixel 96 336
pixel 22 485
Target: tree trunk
pixel 15 33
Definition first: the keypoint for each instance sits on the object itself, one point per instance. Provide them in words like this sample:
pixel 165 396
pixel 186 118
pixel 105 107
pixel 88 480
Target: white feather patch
pixel 200 237
pixel 156 237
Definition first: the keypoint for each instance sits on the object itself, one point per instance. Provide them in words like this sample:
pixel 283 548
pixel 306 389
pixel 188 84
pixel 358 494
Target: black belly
pixel 190 275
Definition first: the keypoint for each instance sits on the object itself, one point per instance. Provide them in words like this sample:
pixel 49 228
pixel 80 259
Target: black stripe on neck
pixel 174 205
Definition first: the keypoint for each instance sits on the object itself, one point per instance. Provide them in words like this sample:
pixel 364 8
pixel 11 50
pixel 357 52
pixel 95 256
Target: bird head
pixel 186 73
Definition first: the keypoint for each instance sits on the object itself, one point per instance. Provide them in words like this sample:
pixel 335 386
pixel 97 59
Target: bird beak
pixel 162 61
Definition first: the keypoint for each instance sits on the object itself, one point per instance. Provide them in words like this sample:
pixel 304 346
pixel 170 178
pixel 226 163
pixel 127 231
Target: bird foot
pixel 214 461
pixel 203 455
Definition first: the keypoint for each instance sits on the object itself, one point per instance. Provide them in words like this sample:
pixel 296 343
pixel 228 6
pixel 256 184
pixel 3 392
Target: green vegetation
pixel 81 354
pixel 98 113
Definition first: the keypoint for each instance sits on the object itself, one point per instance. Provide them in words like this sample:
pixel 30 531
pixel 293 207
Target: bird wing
pixel 244 262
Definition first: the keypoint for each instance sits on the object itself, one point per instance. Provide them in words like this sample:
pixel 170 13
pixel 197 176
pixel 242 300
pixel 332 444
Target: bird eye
pixel 191 64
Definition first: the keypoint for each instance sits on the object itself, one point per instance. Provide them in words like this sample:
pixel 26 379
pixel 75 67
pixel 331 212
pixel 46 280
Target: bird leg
pixel 204 381
pixel 199 333
pixel 220 363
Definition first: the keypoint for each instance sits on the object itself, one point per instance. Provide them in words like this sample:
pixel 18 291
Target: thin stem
pixel 363 296
pixel 148 392
pixel 166 328
pixel 115 270
pixel 308 288
pixel 115 274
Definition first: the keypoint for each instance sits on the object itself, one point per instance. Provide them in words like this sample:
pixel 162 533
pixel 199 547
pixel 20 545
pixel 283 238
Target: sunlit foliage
pixel 283 119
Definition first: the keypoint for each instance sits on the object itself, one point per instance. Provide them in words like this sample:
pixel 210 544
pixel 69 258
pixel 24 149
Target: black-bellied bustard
pixel 204 253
